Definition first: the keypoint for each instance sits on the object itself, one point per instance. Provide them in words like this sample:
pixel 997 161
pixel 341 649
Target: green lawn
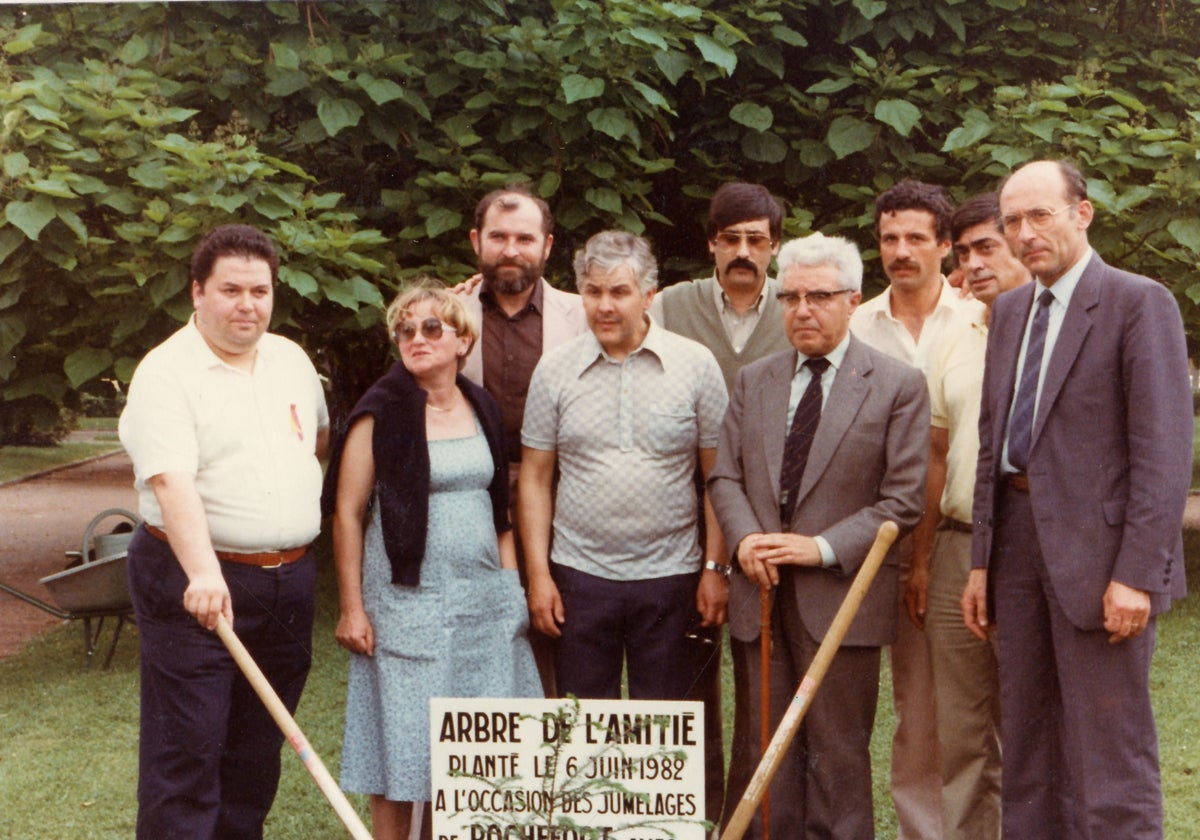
pixel 68 736
pixel 20 461
pixel 1196 458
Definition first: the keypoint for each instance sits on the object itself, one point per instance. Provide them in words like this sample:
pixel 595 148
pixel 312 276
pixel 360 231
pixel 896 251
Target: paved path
pixel 44 517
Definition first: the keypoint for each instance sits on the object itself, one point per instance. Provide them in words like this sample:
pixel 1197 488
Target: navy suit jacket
pixel 1111 454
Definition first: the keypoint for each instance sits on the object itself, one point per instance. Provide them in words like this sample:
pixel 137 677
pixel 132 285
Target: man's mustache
pixel 741 262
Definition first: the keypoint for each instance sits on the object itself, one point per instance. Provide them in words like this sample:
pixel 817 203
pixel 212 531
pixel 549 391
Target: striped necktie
pixel 1020 427
pixel 799 439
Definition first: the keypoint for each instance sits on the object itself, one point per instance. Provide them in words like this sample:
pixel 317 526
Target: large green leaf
pixel 976 126
pixel 30 216
pixel 848 135
pixel 439 220
pixel 764 147
pixel 86 364
pixel 901 115
pixel 611 121
pixel 716 53
pixel 337 114
pixel 381 91
pixel 752 115
pixel 1186 232
pixel 12 331
pixel 577 88
pixel 606 199
pixel 15 164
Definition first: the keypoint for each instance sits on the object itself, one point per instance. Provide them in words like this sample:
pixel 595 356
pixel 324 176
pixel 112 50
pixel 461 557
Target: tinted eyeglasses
pixel 733 239
pixel 431 328
pixel 817 300
pixel 1039 218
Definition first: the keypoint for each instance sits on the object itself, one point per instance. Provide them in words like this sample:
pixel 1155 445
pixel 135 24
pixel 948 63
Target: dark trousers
pixel 209 752
pixel 1078 743
pixel 641 623
pixel 822 788
pixel 707 689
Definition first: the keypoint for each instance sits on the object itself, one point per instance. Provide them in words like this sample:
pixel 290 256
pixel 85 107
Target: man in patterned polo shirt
pixel 625 413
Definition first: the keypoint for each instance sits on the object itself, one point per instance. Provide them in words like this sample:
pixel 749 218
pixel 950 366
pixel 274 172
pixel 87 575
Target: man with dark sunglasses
pixel 734 312
pixel 735 315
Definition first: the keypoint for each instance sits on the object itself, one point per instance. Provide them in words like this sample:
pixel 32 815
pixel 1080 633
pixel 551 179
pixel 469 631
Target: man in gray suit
pixel 800 524
pixel 1084 466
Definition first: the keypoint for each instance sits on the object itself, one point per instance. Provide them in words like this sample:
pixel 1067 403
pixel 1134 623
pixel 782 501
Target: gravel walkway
pixel 40 519
pixel 43 517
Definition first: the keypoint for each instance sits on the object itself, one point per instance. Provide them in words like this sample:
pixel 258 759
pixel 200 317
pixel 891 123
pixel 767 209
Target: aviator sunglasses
pixel 431 328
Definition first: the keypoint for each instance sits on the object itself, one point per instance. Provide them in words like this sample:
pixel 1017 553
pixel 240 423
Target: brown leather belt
pixel 948 524
pixel 263 559
pixel 1018 482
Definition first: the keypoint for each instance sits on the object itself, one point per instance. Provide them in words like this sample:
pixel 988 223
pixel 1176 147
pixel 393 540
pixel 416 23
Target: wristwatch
pixel 723 569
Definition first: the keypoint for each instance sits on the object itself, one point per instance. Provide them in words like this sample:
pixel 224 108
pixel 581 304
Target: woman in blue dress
pixel 431 605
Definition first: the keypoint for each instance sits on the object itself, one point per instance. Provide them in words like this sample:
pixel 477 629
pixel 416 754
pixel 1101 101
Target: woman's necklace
pixel 447 409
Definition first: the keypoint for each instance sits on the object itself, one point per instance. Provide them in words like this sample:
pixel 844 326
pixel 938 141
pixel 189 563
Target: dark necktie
pixel 1020 428
pixel 799 439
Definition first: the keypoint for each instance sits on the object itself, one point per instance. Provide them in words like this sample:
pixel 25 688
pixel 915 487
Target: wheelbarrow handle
pixel 86 553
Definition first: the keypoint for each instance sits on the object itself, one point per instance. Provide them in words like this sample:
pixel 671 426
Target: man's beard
pixel 508 283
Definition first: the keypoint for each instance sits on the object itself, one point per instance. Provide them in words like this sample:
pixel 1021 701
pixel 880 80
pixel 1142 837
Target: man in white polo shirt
pixel 225 425
pixel 908 321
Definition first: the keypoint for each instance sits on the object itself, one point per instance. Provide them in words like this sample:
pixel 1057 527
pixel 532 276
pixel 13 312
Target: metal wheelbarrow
pixel 94 585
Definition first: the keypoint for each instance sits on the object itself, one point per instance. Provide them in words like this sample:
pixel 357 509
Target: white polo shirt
pixel 874 323
pixel 248 438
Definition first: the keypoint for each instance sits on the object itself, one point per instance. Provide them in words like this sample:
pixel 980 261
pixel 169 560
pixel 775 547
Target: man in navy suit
pixel 1084 464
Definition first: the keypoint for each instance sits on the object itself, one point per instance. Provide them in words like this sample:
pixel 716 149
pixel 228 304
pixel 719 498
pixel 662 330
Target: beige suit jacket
pixel 562 319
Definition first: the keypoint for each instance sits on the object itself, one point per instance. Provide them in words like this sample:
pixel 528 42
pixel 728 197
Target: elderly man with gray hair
pixel 822 443
pixel 625 413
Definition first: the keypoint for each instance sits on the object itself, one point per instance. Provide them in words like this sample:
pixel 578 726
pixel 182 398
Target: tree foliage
pixel 360 135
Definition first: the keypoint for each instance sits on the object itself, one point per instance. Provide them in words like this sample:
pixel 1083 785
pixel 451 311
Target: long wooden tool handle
pixel 773 755
pixel 764 667
pixel 291 731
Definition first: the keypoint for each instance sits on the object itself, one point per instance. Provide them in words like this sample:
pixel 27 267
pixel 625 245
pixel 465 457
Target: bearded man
pixel 521 317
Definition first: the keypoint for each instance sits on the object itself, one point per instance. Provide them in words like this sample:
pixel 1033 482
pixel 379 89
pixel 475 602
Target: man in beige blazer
pixel 521 316
pixel 866 464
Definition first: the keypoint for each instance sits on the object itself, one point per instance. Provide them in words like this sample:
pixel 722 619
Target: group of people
pixel 671 460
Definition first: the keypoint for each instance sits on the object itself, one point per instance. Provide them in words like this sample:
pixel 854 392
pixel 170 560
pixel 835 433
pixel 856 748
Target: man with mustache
pixel 907 321
pixel 521 316
pixel 735 315
pixel 965 671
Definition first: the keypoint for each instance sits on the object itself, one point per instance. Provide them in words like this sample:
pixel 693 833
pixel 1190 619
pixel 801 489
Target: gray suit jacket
pixel 867 464
pixel 562 319
pixel 1110 461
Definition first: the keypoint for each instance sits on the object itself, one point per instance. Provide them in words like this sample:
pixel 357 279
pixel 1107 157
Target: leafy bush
pixel 361 134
